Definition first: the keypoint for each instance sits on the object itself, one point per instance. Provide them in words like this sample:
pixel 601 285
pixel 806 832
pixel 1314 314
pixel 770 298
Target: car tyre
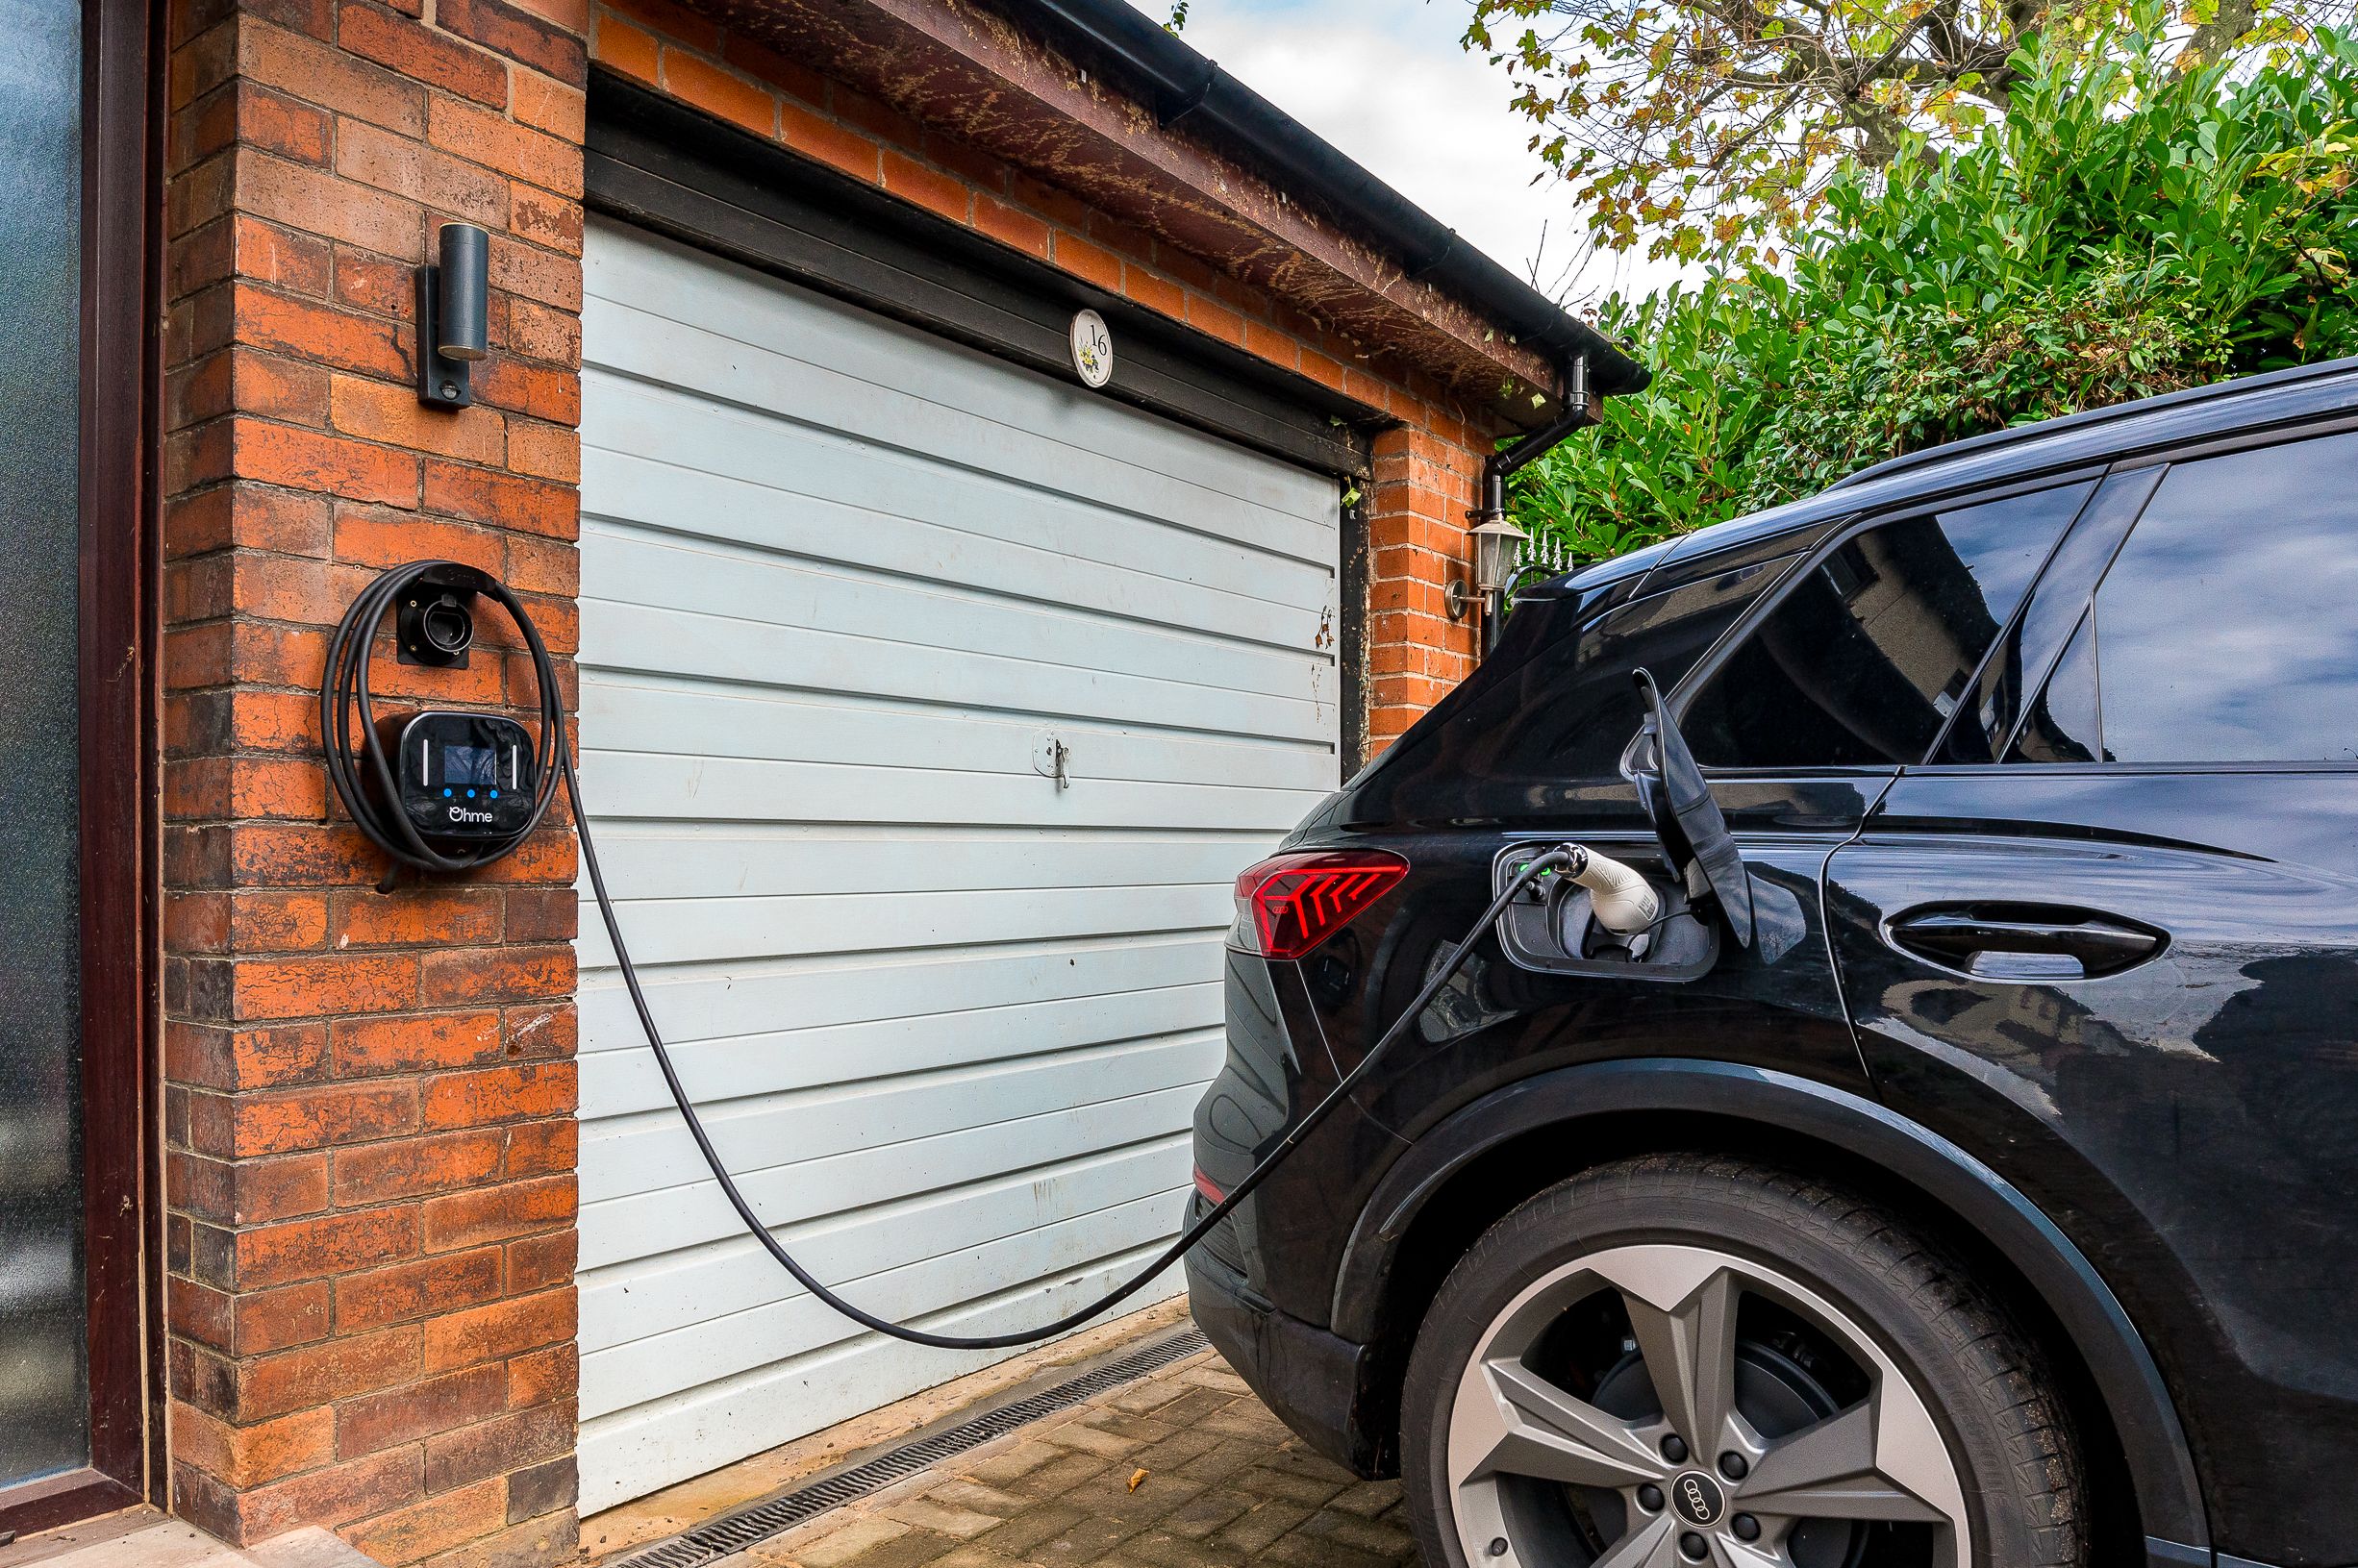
pixel 1819 1350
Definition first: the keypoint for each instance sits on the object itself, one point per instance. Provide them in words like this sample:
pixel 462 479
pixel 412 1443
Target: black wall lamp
pixel 453 316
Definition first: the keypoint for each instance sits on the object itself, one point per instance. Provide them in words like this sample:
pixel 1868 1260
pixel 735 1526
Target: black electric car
pixel 1970 1179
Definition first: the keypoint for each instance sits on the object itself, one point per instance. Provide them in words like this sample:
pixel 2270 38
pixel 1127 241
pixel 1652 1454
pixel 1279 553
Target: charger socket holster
pixel 434 623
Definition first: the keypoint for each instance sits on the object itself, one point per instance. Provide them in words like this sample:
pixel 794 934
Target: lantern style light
pixel 1496 544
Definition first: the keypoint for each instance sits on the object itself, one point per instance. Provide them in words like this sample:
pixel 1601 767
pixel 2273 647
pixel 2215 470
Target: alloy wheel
pixel 1662 1406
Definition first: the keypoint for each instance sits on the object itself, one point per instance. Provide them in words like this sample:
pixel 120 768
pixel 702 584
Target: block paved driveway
pixel 1225 1483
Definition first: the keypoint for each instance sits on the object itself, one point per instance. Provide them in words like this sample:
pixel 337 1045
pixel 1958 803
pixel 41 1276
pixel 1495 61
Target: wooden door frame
pixel 121 422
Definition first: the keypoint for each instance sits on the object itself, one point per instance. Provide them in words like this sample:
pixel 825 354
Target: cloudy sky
pixel 1386 82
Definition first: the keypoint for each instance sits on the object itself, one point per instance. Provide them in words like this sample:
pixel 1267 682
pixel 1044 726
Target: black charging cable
pixel 347 688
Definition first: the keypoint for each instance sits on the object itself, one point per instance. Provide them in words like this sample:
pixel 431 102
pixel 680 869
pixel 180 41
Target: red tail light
pixel 1288 906
pixel 1213 1195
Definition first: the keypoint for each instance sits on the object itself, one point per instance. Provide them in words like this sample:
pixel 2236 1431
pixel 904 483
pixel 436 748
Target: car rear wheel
pixel 1684 1360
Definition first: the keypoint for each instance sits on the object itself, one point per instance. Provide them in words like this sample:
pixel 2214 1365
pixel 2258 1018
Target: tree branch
pixel 2225 28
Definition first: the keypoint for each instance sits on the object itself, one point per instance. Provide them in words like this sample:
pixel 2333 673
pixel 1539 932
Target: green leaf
pixel 2126 228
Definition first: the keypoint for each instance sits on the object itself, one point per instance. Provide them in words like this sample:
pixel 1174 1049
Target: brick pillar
pixel 1425 484
pixel 369 1097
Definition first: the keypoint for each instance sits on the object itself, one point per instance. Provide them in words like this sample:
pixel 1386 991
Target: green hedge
pixel 2129 229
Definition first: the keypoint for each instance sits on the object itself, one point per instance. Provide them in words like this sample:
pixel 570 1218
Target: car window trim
pixel 2013 622
pixel 2089 516
pixel 1787 544
pixel 1945 770
pixel 2221 443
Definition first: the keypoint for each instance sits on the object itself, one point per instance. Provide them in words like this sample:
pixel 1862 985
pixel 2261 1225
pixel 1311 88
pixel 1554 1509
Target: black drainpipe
pixel 1579 412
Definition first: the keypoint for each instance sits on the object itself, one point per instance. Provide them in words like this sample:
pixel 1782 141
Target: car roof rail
pixel 1908 462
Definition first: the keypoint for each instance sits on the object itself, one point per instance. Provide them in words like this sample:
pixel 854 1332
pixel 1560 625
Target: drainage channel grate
pixel 736 1532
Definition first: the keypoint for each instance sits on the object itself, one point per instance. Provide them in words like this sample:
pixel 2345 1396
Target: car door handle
pixel 2025 942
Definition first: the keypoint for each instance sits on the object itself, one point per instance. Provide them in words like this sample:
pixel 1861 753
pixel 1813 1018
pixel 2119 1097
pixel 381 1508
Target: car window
pixel 2227 629
pixel 1551 733
pixel 1864 659
pixel 2037 635
pixel 1582 704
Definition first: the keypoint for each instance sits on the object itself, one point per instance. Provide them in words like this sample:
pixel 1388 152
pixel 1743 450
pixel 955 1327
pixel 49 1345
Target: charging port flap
pixel 1696 843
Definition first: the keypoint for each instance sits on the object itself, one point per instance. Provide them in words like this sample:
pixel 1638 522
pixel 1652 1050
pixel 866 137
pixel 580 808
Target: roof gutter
pixel 1188 86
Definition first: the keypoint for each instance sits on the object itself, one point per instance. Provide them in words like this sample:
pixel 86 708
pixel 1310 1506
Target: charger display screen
pixel 465 775
pixel 464 765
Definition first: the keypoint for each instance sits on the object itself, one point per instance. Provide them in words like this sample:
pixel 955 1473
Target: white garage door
pixel 845 587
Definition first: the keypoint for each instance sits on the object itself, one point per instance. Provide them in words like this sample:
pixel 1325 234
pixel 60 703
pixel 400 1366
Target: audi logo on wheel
pixel 1697 1498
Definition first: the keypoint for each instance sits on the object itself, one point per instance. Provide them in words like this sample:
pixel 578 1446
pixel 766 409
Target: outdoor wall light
pixel 1495 543
pixel 453 316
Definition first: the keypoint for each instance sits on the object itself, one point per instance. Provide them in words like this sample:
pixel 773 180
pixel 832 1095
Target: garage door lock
pixel 1052 759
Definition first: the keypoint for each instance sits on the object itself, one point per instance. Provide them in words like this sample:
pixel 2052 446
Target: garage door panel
pixel 731 1345
pixel 620 1082
pixel 710 579
pixel 723 789
pixel 763 858
pixel 846 540
pixel 791 389
pixel 811 493
pixel 977 413
pixel 842 583
pixel 656 640
pixel 669 1220
pixel 687 718
pixel 762 1132
pixel 624 1314
pixel 635 1373
pixel 841 350
pixel 640 1309
pixel 706 930
pixel 732 581
pixel 815 1123
pixel 722 1001
pixel 655 1444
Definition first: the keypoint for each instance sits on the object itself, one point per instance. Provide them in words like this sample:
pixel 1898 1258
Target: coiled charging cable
pixel 345 692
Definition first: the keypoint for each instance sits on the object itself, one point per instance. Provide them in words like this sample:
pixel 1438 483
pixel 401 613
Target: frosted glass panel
pixel 44 1366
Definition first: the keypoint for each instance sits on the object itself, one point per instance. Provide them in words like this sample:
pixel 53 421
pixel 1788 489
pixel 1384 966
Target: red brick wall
pixel 1429 467
pixel 1425 484
pixel 370 1097
pixel 369 1142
